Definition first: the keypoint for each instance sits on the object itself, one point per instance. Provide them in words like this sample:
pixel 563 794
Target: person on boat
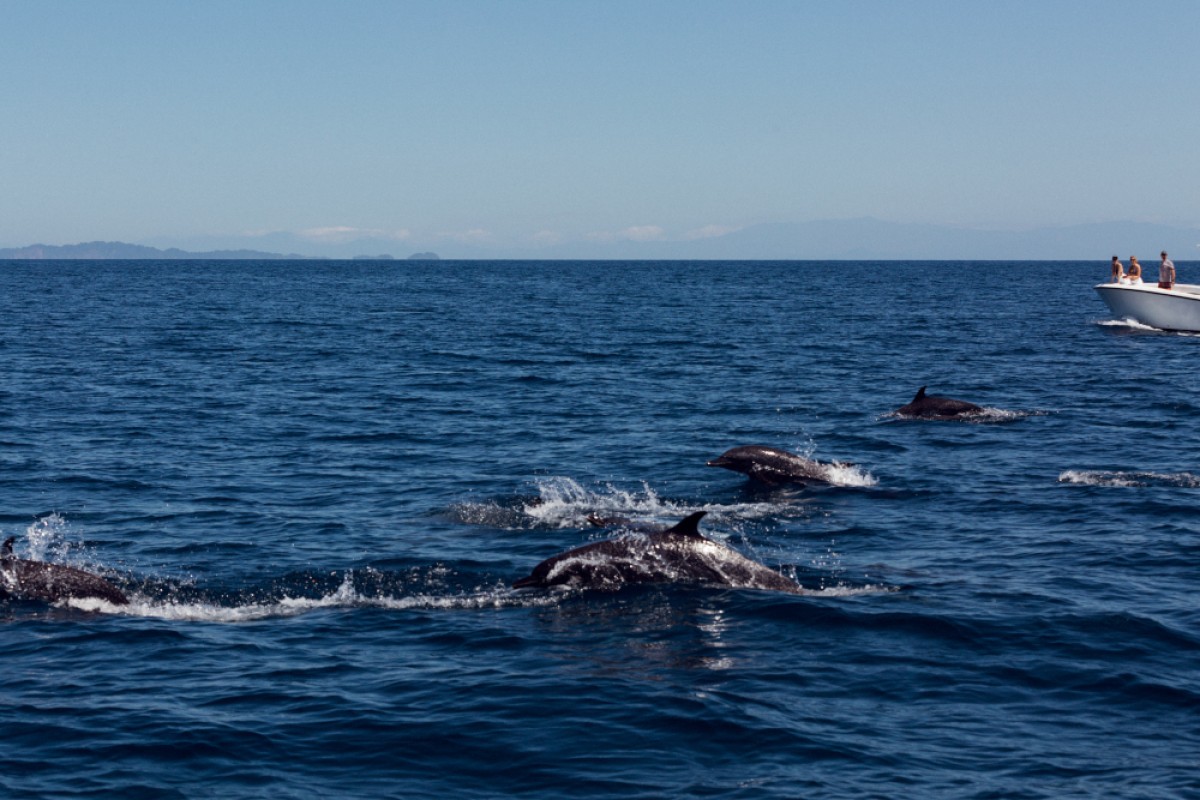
pixel 1166 272
pixel 1118 270
pixel 1135 272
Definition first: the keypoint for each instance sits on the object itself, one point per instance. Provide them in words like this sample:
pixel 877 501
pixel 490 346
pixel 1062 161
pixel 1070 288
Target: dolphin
pixel 37 580
pixel 680 554
pixel 774 467
pixel 934 407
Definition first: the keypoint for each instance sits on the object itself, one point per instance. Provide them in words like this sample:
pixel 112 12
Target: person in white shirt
pixel 1166 272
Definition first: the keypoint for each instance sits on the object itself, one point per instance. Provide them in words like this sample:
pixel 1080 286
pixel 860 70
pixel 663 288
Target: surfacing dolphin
pixel 775 467
pixel 36 580
pixel 677 555
pixel 932 406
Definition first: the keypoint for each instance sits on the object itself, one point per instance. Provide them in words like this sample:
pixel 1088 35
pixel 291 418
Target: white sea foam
pixel 848 475
pixel 837 473
pixel 985 416
pixel 845 590
pixel 50 539
pixel 1183 480
pixel 345 596
pixel 565 503
pixel 46 538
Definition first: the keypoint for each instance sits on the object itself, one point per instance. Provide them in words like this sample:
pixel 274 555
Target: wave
pixel 1182 480
pixel 563 502
pixel 985 416
pixel 348 595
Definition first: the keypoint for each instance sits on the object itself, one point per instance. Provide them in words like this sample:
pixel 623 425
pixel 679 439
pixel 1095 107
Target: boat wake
pixel 1181 480
pixel 1126 322
pixel 1130 325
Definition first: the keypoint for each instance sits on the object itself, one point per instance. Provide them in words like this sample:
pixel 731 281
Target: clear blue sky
pixel 514 122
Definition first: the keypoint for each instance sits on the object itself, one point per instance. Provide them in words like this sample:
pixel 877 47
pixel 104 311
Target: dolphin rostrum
pixel 678 555
pixel 933 407
pixel 36 580
pixel 775 467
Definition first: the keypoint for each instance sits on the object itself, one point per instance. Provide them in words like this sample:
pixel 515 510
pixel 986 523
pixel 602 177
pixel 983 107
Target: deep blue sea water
pixel 318 479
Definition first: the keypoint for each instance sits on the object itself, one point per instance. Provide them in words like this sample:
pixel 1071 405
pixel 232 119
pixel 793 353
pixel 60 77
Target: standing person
pixel 1135 272
pixel 1166 272
pixel 1118 271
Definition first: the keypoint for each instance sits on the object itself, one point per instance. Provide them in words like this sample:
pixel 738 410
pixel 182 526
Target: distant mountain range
pixel 121 251
pixel 848 239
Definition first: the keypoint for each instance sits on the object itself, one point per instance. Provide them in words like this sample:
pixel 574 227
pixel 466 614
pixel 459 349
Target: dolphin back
pixel 49 583
pixel 934 406
pixel 689 526
pixel 680 554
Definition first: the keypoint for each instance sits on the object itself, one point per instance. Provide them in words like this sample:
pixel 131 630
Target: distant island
pixel 413 257
pixel 122 251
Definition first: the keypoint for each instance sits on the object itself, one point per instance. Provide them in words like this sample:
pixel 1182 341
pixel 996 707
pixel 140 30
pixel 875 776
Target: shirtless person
pixel 1118 271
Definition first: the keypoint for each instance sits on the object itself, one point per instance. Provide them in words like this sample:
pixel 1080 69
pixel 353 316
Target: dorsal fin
pixel 689 526
pixel 920 394
pixel 6 550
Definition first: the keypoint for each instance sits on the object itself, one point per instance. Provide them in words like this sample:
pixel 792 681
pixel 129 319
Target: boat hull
pixel 1176 309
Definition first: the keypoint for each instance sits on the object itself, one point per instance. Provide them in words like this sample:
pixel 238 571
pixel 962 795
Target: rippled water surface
pixel 317 480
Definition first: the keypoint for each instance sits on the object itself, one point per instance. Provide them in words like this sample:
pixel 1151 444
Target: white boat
pixel 1174 309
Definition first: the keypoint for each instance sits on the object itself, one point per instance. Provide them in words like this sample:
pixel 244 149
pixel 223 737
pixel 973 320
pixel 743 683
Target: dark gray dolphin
pixel 49 583
pixel 677 555
pixel 773 466
pixel 933 407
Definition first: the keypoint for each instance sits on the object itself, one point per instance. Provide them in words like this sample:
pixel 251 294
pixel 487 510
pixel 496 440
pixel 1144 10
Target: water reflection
pixel 644 633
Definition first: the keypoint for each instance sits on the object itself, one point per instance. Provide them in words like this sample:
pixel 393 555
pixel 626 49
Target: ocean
pixel 317 481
